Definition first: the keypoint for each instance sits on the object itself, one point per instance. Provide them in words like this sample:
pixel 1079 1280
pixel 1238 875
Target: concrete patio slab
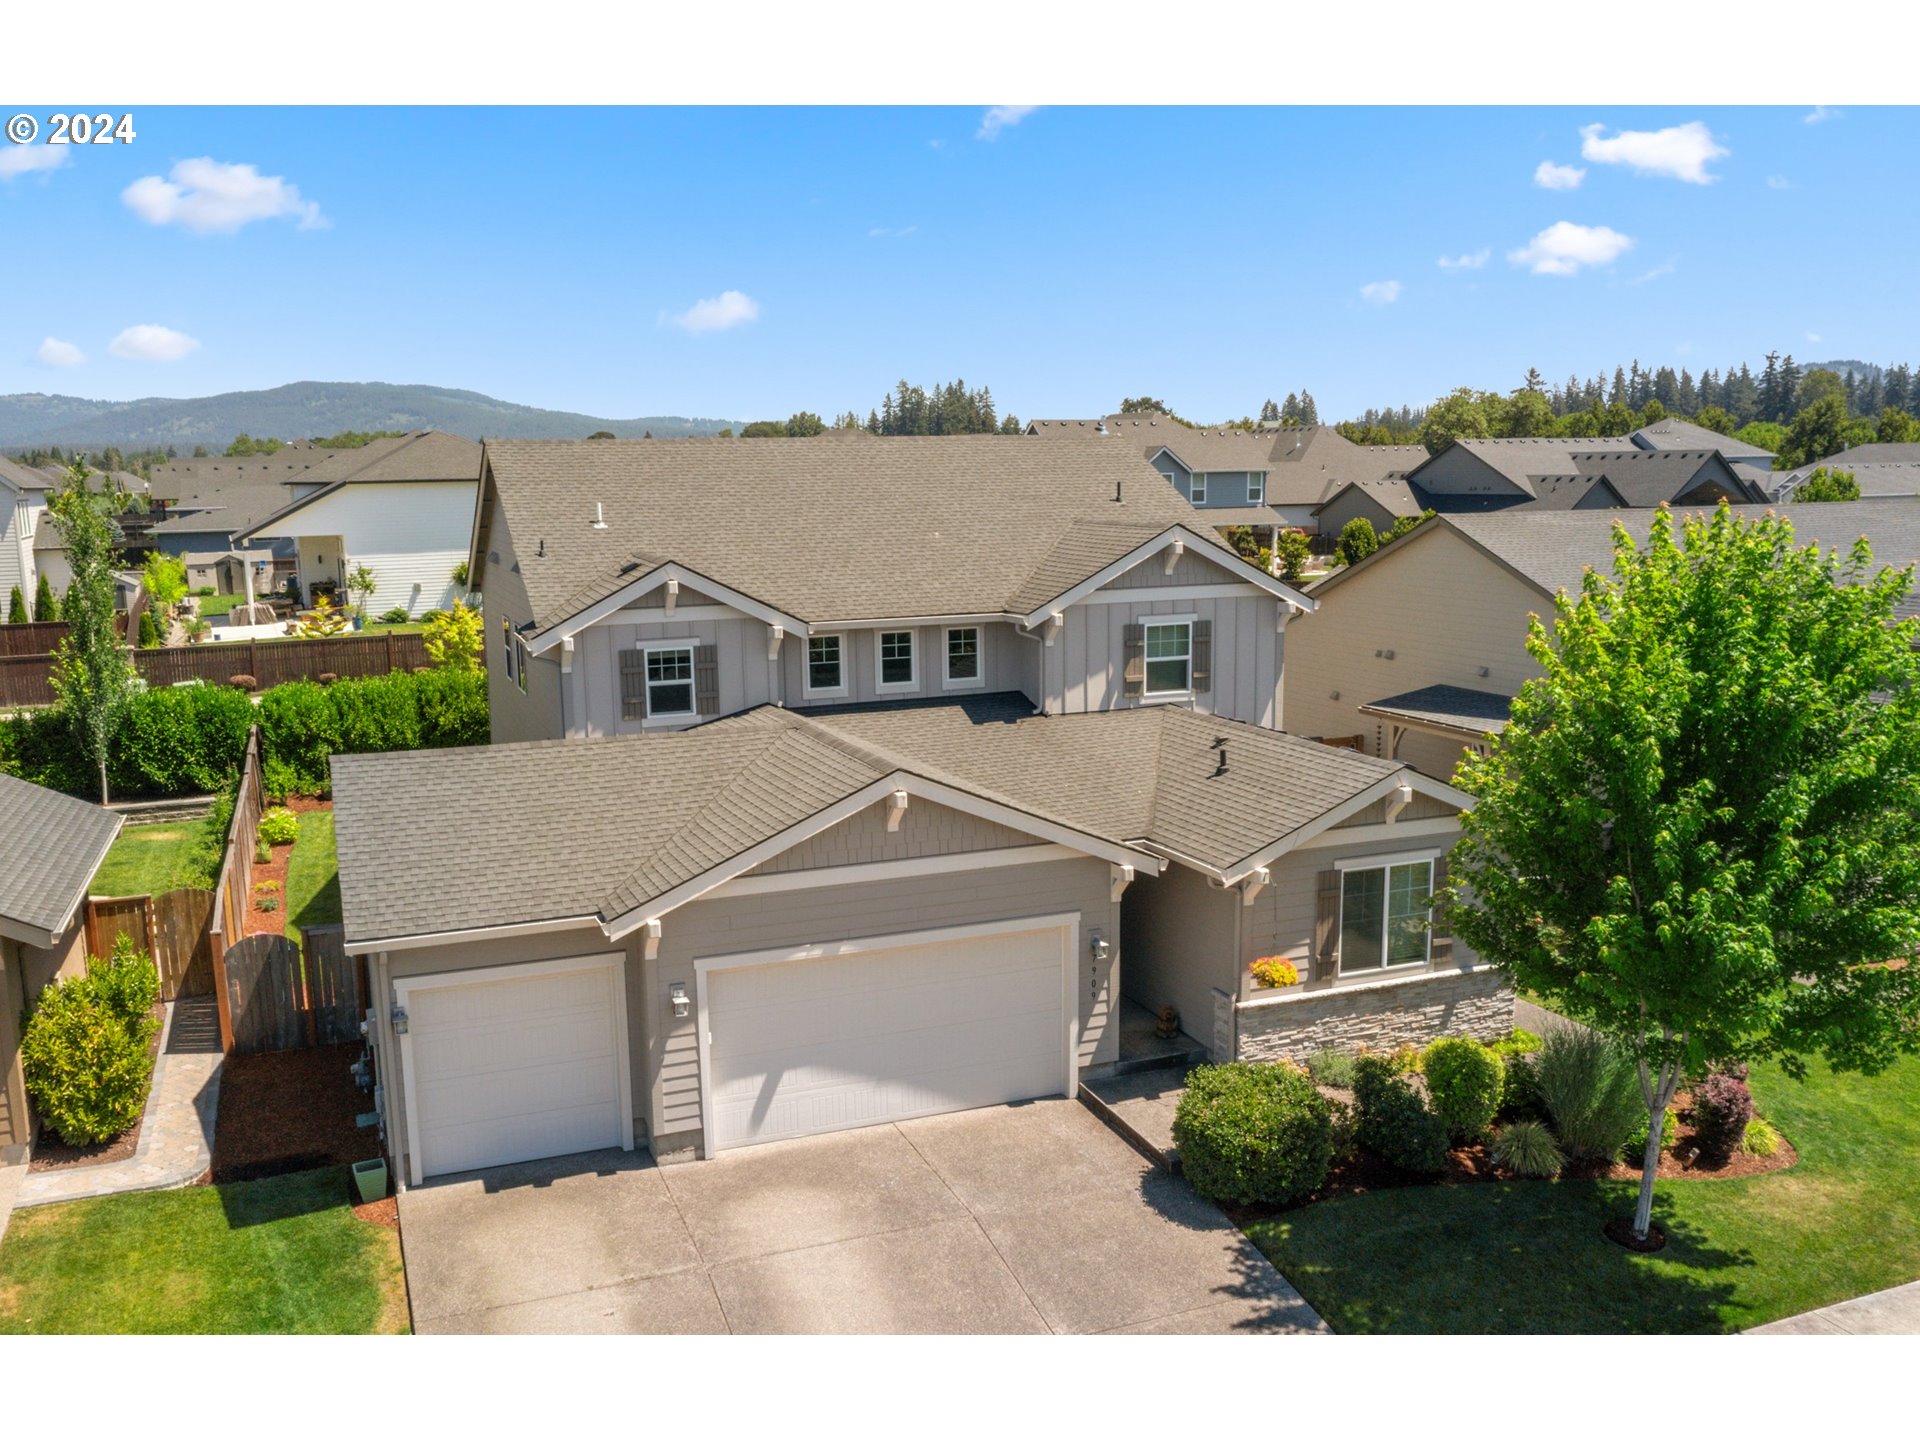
pixel 773 1198
pixel 1885 1312
pixel 940 1279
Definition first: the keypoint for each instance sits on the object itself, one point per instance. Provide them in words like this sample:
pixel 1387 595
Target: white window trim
pixel 979 680
pixel 806 668
pixel 898 687
pixel 1256 483
pixel 1384 968
pixel 693 683
pixel 1147 622
pixel 1196 488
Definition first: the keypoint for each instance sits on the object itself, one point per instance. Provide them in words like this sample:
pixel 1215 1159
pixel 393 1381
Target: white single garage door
pixel 894 1029
pixel 515 1063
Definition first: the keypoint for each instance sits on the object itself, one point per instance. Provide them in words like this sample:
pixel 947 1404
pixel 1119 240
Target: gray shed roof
pixel 50 845
pixel 570 829
pixel 1451 707
pixel 893 526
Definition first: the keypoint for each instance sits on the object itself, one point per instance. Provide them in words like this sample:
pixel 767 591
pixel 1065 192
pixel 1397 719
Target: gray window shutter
pixel 706 679
pixel 633 684
pixel 1439 927
pixel 1202 656
pixel 1136 672
pixel 1326 924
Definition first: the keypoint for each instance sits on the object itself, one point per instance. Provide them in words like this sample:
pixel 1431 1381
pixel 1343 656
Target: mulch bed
pixel 273 874
pixel 50 1152
pixel 1681 1160
pixel 290 1110
pixel 381 1212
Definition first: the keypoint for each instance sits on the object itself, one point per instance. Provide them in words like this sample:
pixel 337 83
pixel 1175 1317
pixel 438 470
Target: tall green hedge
pixel 189 740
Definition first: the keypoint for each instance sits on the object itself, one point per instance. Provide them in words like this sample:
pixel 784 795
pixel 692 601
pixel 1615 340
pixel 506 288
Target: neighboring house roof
pixel 23 477
pixel 1674 433
pixel 892 527
pixel 1876 480
pixel 1644 478
pixel 1874 454
pixel 1393 494
pixel 1445 707
pixel 1210 452
pixel 627 828
pixel 1219 516
pixel 50 845
pixel 1309 463
pixel 215 506
pixel 426 456
pixel 1563 475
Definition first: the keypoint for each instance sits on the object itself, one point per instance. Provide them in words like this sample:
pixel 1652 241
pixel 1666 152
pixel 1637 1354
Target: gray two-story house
pixel 838 783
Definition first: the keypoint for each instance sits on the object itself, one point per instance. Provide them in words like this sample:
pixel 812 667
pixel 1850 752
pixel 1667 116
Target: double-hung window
pixel 1197 489
pixel 1169 657
pixel 826 666
pixel 669 682
pixel 516 655
pixel 963 658
pixel 894 661
pixel 1256 489
pixel 1383 915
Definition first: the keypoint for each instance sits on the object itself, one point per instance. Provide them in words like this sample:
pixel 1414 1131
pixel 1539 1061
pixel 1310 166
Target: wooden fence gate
pixel 281 999
pixel 170 927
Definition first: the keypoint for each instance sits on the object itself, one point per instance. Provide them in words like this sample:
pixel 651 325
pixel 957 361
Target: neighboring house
pixel 403 507
pixel 23 508
pixel 1674 433
pixel 1416 652
pixel 1478 476
pixel 1881 470
pixel 204 508
pixel 884 810
pixel 50 846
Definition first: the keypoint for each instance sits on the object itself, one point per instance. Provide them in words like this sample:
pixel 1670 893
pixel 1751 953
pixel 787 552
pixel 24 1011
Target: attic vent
pixel 599 516
pixel 1220 744
pixel 1116 492
pixel 629 567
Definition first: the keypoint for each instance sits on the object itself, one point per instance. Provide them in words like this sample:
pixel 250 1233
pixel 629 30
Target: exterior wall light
pixel 682 1003
pixel 1098 944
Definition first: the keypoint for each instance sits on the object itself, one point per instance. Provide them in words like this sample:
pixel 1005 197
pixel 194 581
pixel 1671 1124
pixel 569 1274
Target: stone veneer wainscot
pixel 1380 1015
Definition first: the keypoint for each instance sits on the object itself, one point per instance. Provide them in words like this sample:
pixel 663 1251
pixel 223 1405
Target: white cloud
pixel 1665 267
pixel 1564 248
pixel 1779 182
pixel 59 353
pixel 152 342
pixel 1549 176
pixel 1822 112
pixel 722 312
pixel 210 198
pixel 1813 337
pixel 1001 117
pixel 1381 292
pixel 1681 152
pixel 26 159
pixel 891 232
pixel 1473 260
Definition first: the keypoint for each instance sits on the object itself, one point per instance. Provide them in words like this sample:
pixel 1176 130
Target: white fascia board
pixel 1347 808
pixel 652 580
pixel 964 801
pixel 1208 548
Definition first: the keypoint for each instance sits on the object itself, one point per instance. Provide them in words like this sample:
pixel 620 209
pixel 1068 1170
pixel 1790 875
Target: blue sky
pixel 1067 257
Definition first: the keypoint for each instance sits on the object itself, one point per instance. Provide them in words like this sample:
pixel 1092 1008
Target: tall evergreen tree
pixel 1269 412
pixel 45 607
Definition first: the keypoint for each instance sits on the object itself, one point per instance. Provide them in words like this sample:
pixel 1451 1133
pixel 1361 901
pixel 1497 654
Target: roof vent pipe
pixel 599 516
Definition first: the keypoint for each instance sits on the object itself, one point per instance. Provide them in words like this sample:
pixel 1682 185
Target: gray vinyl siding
pixel 537 713
pixel 1421 807
pixel 732 925
pixel 1458 471
pixel 14 560
pixel 1191 568
pixel 1002 662
pixel 1443 607
pixel 593 689
pixel 1085 667
pixel 926 829
pixel 1352 505
pixel 1179 934
pixel 1224 487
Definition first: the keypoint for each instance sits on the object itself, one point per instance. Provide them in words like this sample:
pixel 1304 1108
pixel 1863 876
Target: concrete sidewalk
pixel 1885 1312
pixel 10 1178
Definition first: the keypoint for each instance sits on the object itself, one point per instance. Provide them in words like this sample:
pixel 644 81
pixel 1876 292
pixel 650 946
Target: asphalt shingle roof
pixel 50 845
pixel 943 525
pixel 1453 706
pixel 574 828
pixel 1674 433
pixel 1311 462
pixel 424 455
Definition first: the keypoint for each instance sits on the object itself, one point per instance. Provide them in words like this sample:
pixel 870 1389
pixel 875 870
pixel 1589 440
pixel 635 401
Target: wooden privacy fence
pixel 38 637
pixel 235 884
pixel 281 996
pixel 173 928
pixel 27 679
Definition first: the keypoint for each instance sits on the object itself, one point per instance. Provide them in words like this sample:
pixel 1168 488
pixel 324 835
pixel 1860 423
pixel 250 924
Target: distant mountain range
pixel 309 408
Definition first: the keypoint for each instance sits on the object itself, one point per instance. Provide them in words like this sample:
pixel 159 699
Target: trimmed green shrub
pixel 149 631
pixel 1527 1148
pixel 1722 1107
pixel 1464 1084
pixel 1393 1121
pixel 1405 1059
pixel 1635 1150
pixel 45 607
pixel 1520 1088
pixel 1761 1139
pixel 16 607
pixel 396 616
pixel 1590 1089
pixel 1331 1067
pixel 1253 1134
pixel 279 826
pixel 85 1068
pixel 1516 1042
pixel 1358 539
pixel 128 983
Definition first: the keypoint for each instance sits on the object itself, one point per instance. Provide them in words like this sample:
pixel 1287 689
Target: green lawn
pixel 313 881
pixel 1530 1257
pixel 218 607
pixel 148 860
pixel 280 1256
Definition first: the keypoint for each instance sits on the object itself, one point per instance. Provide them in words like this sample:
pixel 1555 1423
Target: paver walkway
pixel 1885 1312
pixel 176 1133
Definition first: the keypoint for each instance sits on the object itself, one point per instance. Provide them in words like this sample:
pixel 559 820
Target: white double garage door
pixel 523 1062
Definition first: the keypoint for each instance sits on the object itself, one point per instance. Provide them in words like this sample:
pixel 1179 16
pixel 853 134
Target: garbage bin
pixel 370 1179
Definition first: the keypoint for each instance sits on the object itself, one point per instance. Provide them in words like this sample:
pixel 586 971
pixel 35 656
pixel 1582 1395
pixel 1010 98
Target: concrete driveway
pixel 1025 1218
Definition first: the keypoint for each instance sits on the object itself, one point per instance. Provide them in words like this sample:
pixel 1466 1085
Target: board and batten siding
pixel 1224 487
pixel 1085 667
pixel 926 829
pixel 1443 607
pixel 1179 933
pixel 1002 662
pixel 410 533
pixel 535 713
pixel 593 689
